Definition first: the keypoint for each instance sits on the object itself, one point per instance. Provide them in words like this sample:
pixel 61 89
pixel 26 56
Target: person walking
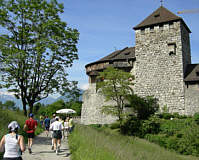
pixel 51 121
pixel 57 128
pixel 66 127
pixel 71 124
pixel 47 125
pixel 12 143
pixel 41 120
pixel 31 126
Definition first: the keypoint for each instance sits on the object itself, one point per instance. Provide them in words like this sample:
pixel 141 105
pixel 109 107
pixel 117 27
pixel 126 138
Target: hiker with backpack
pixel 30 127
pixel 12 144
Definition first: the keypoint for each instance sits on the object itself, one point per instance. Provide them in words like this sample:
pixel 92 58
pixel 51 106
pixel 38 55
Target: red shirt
pixel 31 123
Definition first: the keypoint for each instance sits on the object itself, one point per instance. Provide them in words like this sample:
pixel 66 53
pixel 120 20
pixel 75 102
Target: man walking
pixel 57 128
pixel 47 125
pixel 31 126
pixel 51 121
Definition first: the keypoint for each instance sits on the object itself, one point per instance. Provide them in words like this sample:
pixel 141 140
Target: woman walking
pixel 12 143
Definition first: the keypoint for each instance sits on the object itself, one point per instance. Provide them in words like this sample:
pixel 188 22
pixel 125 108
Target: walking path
pixel 42 149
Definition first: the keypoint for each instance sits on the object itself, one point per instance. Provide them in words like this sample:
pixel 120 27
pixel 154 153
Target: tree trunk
pixel 30 107
pixel 24 107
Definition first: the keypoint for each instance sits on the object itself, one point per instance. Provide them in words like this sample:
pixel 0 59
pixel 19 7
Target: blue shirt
pixel 47 122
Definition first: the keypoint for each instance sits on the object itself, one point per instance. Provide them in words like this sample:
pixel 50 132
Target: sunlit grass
pixel 87 143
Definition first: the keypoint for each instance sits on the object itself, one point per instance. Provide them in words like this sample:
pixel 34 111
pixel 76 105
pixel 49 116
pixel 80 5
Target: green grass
pixel 87 143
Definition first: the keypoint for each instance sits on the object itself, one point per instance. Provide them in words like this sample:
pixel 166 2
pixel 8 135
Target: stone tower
pixel 161 64
pixel 162 51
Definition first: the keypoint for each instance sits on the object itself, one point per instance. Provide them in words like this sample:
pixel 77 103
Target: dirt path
pixel 42 150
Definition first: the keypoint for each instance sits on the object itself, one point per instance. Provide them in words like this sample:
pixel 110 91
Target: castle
pixel 160 62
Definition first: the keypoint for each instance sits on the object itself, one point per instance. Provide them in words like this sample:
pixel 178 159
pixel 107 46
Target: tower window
pixel 161 27
pixel 172 48
pixel 157 15
pixel 152 28
pixel 142 31
pixel 197 73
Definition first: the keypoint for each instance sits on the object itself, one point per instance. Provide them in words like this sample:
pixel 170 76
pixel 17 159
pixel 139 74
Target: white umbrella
pixel 66 111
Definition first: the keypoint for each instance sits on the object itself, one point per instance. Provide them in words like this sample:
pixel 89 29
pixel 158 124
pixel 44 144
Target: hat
pixel 54 115
pixel 31 115
pixel 57 117
pixel 13 126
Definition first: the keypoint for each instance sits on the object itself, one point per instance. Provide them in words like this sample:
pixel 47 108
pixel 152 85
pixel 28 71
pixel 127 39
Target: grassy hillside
pixel 87 143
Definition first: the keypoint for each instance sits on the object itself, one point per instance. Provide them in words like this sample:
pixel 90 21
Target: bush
pixel 196 118
pixel 151 126
pixel 131 126
pixel 115 125
pixel 143 107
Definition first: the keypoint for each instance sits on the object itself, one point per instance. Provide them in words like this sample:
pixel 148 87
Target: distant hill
pixel 8 97
pixel 66 99
pixel 4 96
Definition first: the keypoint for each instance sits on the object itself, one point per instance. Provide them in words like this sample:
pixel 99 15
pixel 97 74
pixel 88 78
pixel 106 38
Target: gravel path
pixel 42 150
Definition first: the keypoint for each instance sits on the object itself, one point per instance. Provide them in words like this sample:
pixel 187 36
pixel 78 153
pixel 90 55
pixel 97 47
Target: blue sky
pixel 106 26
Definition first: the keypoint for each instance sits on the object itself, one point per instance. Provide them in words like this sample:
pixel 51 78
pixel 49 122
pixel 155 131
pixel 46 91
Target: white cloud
pixel 6 93
pixel 84 86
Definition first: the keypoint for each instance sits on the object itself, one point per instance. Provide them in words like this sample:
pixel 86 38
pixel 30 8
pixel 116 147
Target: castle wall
pixel 159 65
pixel 192 99
pixel 91 108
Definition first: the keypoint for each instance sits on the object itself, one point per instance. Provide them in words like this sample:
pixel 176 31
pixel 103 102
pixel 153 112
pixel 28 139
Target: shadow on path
pixel 42 150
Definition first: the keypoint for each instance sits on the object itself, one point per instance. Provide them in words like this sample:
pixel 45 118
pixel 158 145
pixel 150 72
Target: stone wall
pixel 91 108
pixel 192 99
pixel 158 71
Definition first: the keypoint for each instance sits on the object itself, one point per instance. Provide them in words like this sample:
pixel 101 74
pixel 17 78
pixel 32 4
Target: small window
pixel 197 73
pixel 142 31
pixel 171 25
pixel 157 15
pixel 152 29
pixel 127 53
pixel 161 27
pixel 172 48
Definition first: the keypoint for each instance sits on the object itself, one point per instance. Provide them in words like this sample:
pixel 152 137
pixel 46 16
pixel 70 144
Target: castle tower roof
pixel 160 16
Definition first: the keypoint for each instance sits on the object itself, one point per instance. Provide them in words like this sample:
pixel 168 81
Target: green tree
pixel 115 85
pixel 10 105
pixel 35 50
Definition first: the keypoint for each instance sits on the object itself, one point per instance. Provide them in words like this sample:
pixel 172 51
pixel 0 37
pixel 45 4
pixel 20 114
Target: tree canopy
pixel 36 48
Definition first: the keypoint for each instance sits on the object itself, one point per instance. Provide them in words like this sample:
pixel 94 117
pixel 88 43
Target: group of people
pixel 13 144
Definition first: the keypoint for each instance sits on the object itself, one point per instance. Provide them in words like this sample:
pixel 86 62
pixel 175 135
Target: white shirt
pixel 55 126
pixel 11 146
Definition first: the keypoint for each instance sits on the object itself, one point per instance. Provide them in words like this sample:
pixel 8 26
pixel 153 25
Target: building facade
pixel 161 64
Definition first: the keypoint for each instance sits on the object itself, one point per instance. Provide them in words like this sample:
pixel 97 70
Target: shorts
pixel 17 158
pixel 57 134
pixel 31 135
pixel 47 128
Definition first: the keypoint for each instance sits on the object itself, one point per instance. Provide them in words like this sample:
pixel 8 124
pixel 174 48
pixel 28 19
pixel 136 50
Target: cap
pixel 57 117
pixel 31 115
pixel 54 115
pixel 13 126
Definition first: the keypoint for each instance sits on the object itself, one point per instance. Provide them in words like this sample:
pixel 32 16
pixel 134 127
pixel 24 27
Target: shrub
pixel 143 107
pixel 115 125
pixel 196 118
pixel 151 126
pixel 131 126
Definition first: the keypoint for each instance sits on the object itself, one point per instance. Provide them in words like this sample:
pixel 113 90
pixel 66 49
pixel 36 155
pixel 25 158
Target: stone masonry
pixel 161 64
